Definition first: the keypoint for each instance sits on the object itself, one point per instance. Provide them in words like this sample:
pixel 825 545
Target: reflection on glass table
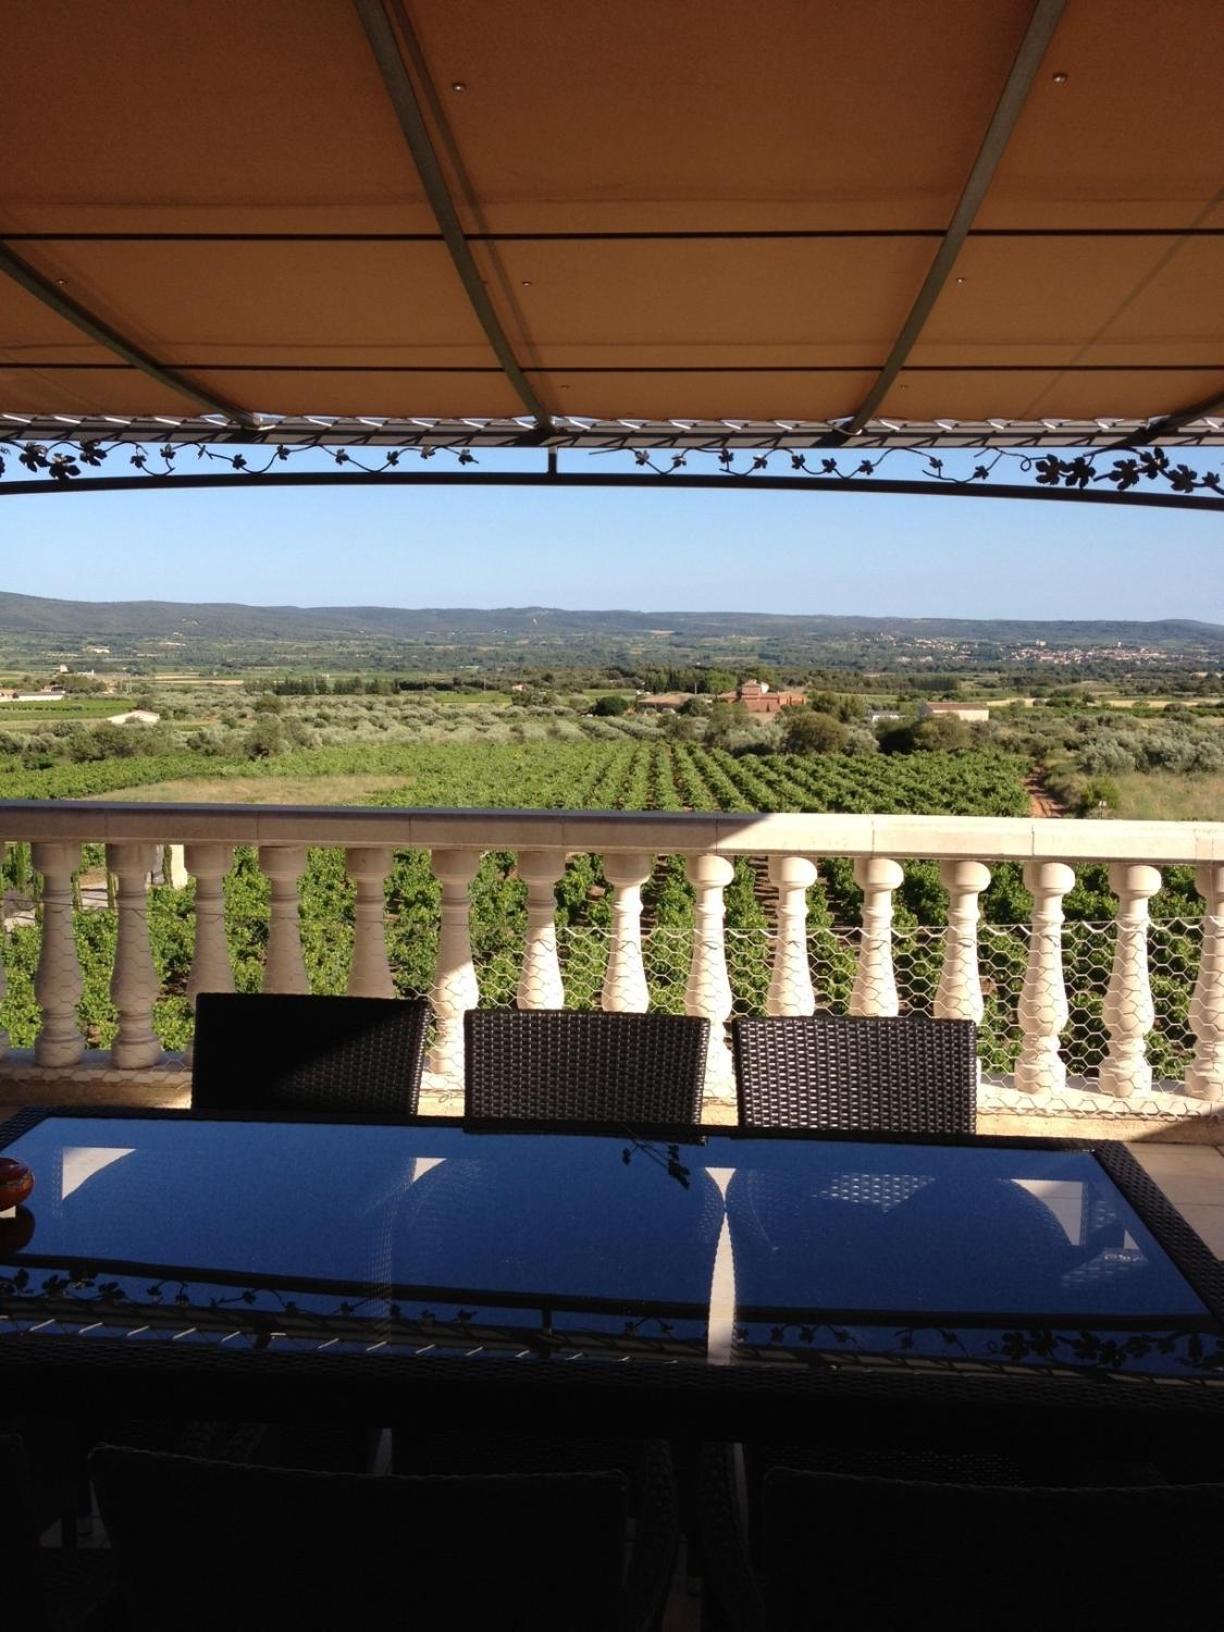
pixel 847 1251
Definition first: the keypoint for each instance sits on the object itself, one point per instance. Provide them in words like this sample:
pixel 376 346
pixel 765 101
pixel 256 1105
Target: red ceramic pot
pixel 16 1232
pixel 16 1183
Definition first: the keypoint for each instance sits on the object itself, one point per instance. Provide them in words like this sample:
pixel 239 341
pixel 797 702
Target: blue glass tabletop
pixel 727 1246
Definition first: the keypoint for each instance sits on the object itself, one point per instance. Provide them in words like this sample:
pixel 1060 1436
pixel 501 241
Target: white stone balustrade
pixel 369 972
pixel 1043 997
pixel 790 977
pixel 210 967
pixel 455 988
pixel 875 981
pixel 959 994
pixel 1205 1076
pixel 58 984
pixel 708 991
pixel 624 987
pixel 965 848
pixel 540 985
pixel 1129 1012
pixel 134 983
pixel 285 967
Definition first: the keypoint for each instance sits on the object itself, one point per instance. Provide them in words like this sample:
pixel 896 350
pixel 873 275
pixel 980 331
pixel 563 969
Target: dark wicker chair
pixel 881 1075
pixel 195 1541
pixel 46 1589
pixel 977 1552
pixel 646 1466
pixel 555 1064
pixel 283 1052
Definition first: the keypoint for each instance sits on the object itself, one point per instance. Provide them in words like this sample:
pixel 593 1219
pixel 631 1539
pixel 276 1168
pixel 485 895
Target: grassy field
pixel 1161 796
pixel 259 790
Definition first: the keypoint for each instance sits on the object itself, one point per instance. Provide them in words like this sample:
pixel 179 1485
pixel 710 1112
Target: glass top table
pixel 701 1249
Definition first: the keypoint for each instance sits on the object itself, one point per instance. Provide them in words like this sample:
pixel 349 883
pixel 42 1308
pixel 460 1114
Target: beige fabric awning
pixel 724 211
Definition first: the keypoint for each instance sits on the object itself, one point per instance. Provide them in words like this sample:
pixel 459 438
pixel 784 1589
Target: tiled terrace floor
pixel 1192 1176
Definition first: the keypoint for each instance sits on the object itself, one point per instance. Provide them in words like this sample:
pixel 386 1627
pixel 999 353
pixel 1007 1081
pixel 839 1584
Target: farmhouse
pixel 757 697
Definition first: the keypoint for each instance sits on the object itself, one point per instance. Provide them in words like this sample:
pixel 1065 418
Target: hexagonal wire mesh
pixel 917 955
pixel 1173 949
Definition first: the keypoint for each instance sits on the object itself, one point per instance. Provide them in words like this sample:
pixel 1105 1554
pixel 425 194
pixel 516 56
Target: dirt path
pixel 1041 801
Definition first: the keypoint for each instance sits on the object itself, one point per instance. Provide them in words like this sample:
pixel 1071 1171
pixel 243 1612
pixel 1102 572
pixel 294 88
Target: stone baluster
pixel 285 969
pixel 959 994
pixel 210 967
pixel 1205 1076
pixel 369 972
pixel 708 990
pixel 1043 1007
pixel 58 984
pixel 790 979
pixel 1129 1012
pixel 134 984
pixel 455 988
pixel 540 985
pixel 875 984
pixel 624 987
pixel 3 1034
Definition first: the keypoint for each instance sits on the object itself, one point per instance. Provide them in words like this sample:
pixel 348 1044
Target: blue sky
pixel 653 550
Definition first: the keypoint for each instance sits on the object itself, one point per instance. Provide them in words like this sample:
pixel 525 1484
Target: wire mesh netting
pixel 82 951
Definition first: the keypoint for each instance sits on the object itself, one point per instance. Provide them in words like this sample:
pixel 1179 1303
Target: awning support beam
pixel 407 107
pixel 34 283
pixel 1167 424
pixel 1042 23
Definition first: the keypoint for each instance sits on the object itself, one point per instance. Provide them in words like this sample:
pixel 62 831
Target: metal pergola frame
pixel 434 156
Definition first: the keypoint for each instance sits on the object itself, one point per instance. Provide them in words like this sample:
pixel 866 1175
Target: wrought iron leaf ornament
pixel 1010 471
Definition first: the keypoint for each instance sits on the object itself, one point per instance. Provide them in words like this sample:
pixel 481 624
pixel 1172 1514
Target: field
pixel 549 750
pixel 260 790
pixel 626 775
pixel 1158 796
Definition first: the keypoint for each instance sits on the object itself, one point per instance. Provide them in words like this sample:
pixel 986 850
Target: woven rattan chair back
pixel 283 1052
pixel 879 1075
pixel 557 1064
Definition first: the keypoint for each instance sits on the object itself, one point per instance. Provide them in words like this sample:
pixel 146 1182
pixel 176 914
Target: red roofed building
pixel 757 698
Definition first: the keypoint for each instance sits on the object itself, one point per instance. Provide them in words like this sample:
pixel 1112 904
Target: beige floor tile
pixel 1186 1173
pixel 1206 1221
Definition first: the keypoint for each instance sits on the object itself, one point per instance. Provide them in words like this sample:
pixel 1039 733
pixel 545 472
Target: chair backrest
pixel 23 1593
pixel 356 1055
pixel 284 1547
pixel 909 1075
pixel 977 1554
pixel 570 1066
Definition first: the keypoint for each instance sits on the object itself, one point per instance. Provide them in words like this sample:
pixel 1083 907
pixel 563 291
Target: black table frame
pixel 648 1395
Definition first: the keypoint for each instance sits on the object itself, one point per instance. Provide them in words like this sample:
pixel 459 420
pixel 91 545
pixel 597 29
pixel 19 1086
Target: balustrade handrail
pixel 986 838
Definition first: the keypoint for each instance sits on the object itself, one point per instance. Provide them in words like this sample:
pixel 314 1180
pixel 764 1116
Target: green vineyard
pixel 627 775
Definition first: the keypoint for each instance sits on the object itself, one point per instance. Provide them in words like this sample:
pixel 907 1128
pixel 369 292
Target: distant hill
pixel 36 615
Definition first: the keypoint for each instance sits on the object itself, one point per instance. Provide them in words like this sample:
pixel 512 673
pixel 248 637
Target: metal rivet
pixel 458 85
pixel 1059 79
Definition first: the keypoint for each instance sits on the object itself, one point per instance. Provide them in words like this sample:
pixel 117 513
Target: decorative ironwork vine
pixel 1095 471
pixel 1150 465
pixel 64 461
